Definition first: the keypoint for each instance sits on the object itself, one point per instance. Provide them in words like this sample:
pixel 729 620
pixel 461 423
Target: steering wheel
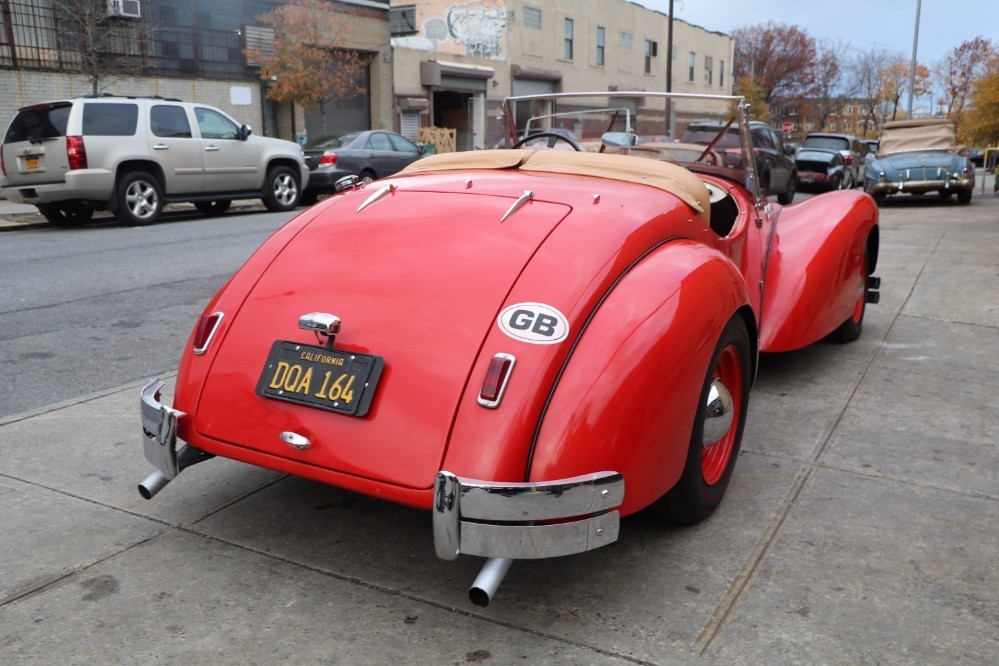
pixel 553 137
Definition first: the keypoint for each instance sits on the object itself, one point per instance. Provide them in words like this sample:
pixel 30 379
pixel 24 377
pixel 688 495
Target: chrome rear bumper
pixel 500 519
pixel 159 441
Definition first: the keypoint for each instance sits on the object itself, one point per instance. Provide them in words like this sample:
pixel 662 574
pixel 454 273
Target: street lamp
pixel 915 43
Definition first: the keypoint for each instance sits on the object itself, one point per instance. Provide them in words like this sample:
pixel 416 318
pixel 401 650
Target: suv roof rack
pixel 107 94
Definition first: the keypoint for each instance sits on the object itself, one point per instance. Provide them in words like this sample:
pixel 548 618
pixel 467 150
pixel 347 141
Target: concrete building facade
pixel 456 60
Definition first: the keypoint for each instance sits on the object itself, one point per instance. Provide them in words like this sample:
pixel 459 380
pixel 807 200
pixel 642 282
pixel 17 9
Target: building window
pixel 721 73
pixel 402 21
pixel 832 126
pixel 567 53
pixel 847 126
pixel 625 40
pixel 651 49
pixel 532 18
pixel 709 69
pixel 692 60
pixel 848 110
pixel 600 46
pixel 808 126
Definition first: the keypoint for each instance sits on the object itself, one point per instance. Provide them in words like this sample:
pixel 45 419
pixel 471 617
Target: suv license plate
pixel 32 162
pixel 331 379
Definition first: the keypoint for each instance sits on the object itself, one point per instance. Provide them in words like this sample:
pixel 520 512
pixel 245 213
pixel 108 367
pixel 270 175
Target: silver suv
pixel 132 155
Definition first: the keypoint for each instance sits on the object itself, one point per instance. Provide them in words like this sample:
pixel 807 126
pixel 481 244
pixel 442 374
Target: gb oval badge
pixel 535 323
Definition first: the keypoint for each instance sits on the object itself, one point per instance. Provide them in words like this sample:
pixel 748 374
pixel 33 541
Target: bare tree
pixel 833 89
pixel 778 57
pixel 865 80
pixel 100 46
pixel 960 67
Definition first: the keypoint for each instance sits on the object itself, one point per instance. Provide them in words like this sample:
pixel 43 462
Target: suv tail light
pixel 76 152
pixel 328 160
pixel 848 159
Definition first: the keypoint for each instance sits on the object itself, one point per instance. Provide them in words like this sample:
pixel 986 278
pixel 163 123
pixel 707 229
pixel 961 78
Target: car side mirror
pixel 619 139
pixel 789 150
pixel 422 150
pixel 244 132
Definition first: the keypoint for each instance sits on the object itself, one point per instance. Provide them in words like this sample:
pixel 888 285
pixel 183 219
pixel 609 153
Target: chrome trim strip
pixel 446 517
pixel 388 189
pixel 528 195
pixel 535 542
pixel 564 498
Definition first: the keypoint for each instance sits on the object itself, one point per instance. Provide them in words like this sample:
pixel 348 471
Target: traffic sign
pixel 786 127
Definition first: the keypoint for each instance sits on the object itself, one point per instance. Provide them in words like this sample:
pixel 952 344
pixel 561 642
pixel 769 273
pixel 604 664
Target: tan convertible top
pixel 902 136
pixel 668 177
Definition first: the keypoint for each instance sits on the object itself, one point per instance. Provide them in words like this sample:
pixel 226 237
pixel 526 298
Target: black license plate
pixel 331 379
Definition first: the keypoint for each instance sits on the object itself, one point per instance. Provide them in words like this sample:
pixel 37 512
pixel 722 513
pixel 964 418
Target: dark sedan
pixel 821 169
pixel 368 155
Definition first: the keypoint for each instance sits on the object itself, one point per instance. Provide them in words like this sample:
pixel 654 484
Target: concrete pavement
pixel 861 526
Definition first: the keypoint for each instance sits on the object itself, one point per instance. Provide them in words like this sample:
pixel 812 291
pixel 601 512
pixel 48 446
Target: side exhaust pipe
pixel 187 455
pixel 488 581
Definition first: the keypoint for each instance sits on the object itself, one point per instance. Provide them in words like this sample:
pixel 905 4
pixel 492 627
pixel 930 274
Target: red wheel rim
pixel 858 308
pixel 715 458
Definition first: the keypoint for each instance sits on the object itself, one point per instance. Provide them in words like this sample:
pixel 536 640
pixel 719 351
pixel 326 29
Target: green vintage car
pixel 919 157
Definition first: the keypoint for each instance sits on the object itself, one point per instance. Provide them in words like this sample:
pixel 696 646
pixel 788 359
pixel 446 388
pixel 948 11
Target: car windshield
pixel 830 142
pixel 329 142
pixel 698 121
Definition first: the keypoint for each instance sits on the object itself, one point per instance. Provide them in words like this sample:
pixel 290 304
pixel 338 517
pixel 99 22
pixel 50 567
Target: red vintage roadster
pixel 529 342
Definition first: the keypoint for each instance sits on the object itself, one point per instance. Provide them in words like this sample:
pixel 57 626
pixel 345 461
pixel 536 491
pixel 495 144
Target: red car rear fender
pixel 814 270
pixel 626 397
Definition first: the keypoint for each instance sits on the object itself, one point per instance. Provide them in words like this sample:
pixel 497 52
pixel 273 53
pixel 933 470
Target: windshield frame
pixel 738 118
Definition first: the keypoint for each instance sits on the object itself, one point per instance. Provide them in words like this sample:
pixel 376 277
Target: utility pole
pixel 669 72
pixel 912 74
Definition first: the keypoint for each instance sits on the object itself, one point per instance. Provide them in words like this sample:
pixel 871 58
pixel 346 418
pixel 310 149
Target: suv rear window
pixel 37 123
pixel 110 119
pixel 830 142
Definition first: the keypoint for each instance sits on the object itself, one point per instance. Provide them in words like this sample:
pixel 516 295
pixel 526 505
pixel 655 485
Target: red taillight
pixel 329 158
pixel 496 378
pixel 848 159
pixel 206 331
pixel 76 152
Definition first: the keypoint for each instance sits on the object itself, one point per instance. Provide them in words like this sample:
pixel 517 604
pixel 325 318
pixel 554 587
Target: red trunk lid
pixel 417 278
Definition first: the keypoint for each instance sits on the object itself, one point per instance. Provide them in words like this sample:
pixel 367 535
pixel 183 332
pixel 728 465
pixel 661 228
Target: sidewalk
pixel 15 216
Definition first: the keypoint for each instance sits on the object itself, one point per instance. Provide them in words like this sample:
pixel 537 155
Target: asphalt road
pixel 87 309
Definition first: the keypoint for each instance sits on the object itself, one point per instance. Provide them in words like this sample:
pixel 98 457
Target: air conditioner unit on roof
pixel 124 8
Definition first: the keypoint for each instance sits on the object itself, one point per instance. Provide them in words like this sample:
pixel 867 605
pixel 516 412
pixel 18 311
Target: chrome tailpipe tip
pixel 152 484
pixel 488 581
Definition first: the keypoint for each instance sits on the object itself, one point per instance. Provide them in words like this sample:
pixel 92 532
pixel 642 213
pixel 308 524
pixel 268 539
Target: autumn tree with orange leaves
pixel 959 69
pixel 981 126
pixel 895 78
pixel 310 62
pixel 777 57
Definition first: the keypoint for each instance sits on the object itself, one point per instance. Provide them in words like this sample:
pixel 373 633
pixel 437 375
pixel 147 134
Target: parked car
pixel 918 157
pixel 368 155
pixel 526 343
pixel 774 166
pixel 821 168
pixel 975 155
pixel 133 155
pixel 853 150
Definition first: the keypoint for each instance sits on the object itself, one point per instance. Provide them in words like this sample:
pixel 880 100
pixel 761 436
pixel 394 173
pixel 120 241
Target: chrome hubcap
pixel 141 199
pixel 718 413
pixel 285 189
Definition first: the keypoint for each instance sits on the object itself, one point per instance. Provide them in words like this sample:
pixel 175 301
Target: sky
pixel 887 24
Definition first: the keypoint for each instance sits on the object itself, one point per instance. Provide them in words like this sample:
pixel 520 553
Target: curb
pixel 24 221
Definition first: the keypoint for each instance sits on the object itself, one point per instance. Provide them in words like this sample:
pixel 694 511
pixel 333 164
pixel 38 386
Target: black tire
pixel 282 189
pixel 765 183
pixel 309 198
pixel 851 329
pixel 787 197
pixel 878 198
pixel 945 194
pixel 695 496
pixel 213 208
pixel 366 177
pixel 964 197
pixel 140 199
pixel 66 215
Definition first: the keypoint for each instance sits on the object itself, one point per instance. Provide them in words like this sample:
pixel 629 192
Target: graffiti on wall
pixel 476 28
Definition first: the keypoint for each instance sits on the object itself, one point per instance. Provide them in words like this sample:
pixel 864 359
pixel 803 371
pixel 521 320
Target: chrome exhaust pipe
pixel 486 583
pixel 152 484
